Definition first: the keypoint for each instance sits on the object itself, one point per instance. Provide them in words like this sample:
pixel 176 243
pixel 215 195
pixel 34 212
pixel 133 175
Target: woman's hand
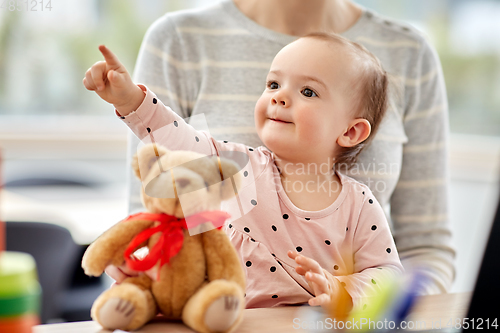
pixel 316 278
pixel 111 81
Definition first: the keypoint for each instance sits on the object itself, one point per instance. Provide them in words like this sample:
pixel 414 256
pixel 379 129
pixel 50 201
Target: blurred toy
pixel 390 306
pixel 19 287
pixel 2 223
pixel 19 293
pixel 200 279
pixel 383 312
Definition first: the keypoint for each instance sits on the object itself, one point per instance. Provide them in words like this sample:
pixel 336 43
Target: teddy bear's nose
pixel 182 182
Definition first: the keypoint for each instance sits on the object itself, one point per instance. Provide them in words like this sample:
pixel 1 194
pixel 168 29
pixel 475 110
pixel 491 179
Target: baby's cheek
pixel 309 128
pixel 260 112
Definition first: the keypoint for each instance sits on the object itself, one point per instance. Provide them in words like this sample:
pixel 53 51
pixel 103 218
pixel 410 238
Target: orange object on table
pixel 9 275
pixel 19 324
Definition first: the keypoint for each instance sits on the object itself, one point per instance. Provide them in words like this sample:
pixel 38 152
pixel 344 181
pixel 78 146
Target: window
pixel 45 53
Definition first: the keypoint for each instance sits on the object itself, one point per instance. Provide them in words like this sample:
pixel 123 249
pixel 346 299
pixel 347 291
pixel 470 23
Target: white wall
pixel 474 191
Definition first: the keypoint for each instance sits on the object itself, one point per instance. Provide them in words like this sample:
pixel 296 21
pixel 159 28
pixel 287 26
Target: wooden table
pixel 429 310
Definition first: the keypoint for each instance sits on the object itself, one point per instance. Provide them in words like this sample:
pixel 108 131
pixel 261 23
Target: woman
pixel 214 61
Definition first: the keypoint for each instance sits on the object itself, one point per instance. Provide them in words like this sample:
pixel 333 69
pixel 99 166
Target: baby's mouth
pixel 280 121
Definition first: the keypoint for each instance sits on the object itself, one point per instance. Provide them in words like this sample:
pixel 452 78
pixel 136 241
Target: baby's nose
pixel 278 100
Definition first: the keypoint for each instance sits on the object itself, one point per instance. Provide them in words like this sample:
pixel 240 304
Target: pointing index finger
pixel 110 57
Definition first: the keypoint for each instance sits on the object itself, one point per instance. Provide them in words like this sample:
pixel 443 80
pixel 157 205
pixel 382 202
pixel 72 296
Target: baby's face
pixel 305 106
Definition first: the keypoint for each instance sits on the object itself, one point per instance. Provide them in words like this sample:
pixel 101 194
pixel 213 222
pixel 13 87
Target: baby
pixel 312 235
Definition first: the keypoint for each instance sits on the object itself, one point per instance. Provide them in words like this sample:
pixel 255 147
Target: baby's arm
pixel 111 81
pixel 376 260
pixel 141 111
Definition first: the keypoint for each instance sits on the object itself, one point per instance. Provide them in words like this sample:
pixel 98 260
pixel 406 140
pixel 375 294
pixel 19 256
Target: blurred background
pixel 64 152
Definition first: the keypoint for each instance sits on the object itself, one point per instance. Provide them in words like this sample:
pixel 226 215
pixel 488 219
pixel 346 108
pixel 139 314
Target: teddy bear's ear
pixel 144 159
pixel 229 170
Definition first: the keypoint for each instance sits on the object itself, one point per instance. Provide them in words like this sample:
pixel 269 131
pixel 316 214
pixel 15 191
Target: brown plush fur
pixel 203 299
pixel 133 291
pixel 203 275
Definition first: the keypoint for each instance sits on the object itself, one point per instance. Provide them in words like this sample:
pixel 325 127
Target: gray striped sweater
pixel 214 61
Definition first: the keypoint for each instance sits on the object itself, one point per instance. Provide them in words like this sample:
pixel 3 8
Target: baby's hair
pixel 369 90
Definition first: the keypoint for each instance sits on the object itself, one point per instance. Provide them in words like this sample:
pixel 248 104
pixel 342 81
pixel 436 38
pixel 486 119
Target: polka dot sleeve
pixel 376 259
pixel 154 121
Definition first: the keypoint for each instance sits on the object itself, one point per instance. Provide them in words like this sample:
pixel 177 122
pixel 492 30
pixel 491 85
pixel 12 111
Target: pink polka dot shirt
pixel 350 239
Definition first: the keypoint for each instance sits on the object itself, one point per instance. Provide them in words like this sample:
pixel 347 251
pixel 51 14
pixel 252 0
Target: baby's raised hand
pixel 111 81
pixel 316 278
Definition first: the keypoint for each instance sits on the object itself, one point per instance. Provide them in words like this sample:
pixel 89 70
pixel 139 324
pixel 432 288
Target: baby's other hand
pixel 316 278
pixel 111 81
pixel 120 273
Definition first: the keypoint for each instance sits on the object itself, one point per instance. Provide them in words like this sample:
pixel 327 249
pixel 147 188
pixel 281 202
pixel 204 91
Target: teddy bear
pixel 200 279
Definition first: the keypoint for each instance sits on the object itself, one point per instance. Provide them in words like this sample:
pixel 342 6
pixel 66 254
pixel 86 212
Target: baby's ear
pixel 229 171
pixel 358 131
pixel 144 159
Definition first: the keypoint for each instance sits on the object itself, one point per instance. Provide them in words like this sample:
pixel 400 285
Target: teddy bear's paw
pixel 116 313
pixel 222 313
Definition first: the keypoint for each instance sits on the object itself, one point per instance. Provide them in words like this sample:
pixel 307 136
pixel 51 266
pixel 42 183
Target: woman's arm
pixel 419 203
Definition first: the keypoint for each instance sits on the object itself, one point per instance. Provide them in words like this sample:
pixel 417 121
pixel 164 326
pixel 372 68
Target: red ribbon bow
pixel 171 239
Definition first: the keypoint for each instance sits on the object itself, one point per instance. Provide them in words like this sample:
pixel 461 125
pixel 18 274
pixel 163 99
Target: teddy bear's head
pixel 182 183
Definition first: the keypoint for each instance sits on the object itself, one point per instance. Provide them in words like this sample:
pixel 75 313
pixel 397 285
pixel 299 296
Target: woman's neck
pixel 300 17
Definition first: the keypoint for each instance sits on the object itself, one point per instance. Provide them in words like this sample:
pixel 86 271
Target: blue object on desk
pixel 405 302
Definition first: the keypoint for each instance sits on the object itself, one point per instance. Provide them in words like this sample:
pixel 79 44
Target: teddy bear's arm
pixel 222 259
pixel 108 249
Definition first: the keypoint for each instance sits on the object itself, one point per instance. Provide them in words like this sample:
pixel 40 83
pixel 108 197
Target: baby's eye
pixel 308 92
pixel 273 85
